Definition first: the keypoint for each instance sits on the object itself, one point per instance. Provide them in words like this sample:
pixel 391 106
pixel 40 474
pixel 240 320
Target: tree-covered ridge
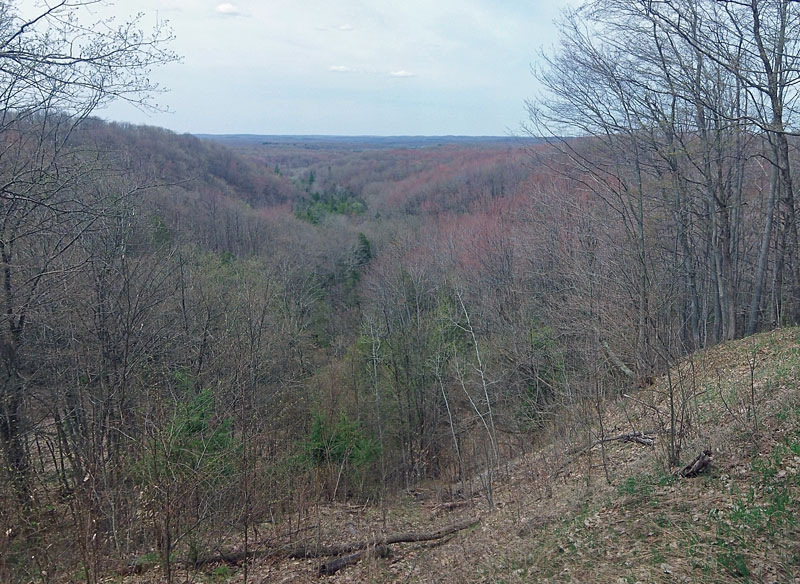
pixel 191 350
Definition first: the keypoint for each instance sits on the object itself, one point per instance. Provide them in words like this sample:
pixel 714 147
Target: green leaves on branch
pixel 343 442
pixel 338 203
pixel 194 443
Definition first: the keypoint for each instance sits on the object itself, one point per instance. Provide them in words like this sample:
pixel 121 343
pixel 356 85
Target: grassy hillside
pixel 737 521
pixel 557 518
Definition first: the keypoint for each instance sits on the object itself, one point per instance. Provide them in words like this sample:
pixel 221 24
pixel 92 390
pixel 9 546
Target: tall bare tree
pixel 55 70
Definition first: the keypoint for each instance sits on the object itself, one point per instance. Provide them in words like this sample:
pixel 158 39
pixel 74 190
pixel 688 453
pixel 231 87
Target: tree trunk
pixel 754 317
pixel 13 440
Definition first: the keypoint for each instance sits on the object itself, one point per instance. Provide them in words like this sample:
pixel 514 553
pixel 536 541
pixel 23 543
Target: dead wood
pixel 356 550
pixel 700 464
pixel 310 551
pixel 614 358
pixel 449 506
pixel 643 438
pixel 333 566
pixel 639 437
pixel 232 557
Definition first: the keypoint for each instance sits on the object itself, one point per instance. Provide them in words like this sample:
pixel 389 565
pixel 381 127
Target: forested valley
pixel 201 337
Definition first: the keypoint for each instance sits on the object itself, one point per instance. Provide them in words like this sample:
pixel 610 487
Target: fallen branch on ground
pixel 356 550
pixel 232 557
pixel 330 568
pixel 347 548
pixel 643 438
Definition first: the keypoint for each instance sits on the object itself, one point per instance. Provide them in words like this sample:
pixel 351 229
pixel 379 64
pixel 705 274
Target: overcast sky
pixel 347 67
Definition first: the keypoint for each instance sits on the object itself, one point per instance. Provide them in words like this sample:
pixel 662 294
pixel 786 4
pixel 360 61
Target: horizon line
pixel 248 134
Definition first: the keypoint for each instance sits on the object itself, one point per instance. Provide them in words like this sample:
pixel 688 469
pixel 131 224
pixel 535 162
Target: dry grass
pixel 739 522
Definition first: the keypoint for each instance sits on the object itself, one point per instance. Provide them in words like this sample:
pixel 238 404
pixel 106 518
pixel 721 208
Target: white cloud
pixel 282 52
pixel 340 28
pixel 228 9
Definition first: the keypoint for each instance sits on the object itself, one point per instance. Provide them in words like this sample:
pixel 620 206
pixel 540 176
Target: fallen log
pixel 700 464
pixel 356 550
pixel 235 556
pixel 333 566
pixel 301 552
